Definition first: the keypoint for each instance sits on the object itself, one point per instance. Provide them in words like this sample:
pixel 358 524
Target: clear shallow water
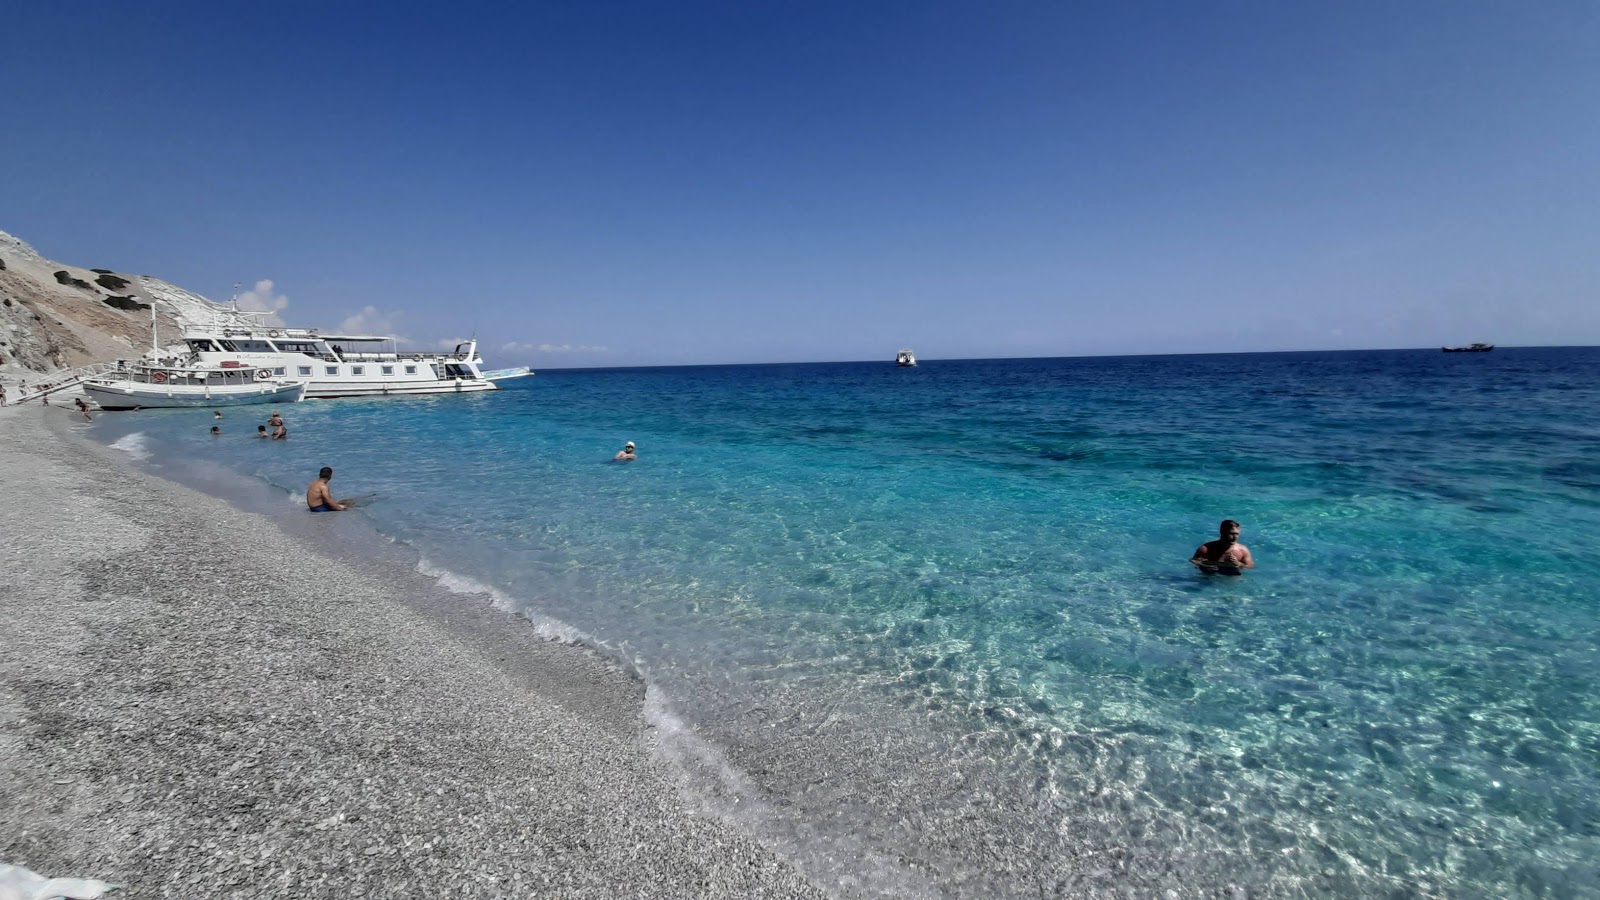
pixel 933 630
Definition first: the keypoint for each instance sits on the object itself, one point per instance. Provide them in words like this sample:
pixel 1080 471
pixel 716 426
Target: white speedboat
pixel 336 365
pixel 139 385
pixel 905 358
pixel 498 375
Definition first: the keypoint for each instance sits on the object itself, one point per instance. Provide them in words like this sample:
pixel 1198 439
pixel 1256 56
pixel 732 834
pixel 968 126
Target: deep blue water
pixel 940 620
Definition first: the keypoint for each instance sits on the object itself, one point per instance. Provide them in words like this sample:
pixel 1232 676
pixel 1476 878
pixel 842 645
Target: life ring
pixel 274 334
pixel 159 378
pixel 263 374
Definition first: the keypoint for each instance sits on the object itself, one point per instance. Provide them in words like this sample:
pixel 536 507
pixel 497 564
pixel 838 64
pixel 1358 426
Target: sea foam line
pixel 544 626
pixel 132 444
pixel 706 778
pixel 724 791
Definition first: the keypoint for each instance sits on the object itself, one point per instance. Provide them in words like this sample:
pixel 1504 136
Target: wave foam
pixel 132 444
pixel 456 583
pixel 722 790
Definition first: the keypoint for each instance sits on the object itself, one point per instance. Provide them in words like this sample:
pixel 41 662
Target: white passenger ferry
pixel 339 365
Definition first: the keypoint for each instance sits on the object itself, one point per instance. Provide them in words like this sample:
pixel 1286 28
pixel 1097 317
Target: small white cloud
pixel 528 347
pixel 372 320
pixel 569 348
pixel 262 299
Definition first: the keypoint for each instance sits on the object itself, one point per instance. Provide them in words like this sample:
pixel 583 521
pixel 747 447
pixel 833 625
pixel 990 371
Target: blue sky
pixel 690 182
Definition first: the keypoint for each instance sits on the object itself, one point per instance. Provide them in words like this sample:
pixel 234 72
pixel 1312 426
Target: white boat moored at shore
pixel 134 385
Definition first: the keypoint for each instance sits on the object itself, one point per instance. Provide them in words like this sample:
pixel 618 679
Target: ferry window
pixel 411 370
pixel 358 370
pixel 388 370
pixel 279 371
pixel 228 346
pixel 305 370
pixel 333 370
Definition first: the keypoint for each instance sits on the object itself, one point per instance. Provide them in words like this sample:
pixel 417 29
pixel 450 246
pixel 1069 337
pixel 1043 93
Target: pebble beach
pixel 195 703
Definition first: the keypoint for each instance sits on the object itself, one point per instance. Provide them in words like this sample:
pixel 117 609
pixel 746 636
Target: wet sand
pixel 195 703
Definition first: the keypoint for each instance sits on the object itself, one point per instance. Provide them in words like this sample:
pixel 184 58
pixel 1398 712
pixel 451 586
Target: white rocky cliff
pixel 55 316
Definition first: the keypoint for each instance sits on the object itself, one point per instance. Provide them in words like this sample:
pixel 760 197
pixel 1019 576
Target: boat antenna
pixel 155 347
pixel 235 300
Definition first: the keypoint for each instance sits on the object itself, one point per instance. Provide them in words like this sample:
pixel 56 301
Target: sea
pixel 932 632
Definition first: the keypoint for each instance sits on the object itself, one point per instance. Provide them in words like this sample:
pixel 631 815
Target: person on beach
pixel 261 431
pixel 215 431
pixel 83 409
pixel 626 453
pixel 1225 555
pixel 318 499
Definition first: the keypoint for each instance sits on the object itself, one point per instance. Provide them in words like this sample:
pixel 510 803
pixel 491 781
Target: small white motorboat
pixel 905 357
pixel 139 385
pixel 499 375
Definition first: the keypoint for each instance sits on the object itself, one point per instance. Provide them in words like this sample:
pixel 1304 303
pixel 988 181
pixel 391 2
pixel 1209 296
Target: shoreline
pixel 197 701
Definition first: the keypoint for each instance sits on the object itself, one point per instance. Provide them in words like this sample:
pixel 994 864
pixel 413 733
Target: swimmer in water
pixel 1225 555
pixel 318 498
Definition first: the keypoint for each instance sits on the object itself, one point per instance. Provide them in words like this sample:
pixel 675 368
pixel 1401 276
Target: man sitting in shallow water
pixel 626 453
pixel 1225 555
pixel 318 499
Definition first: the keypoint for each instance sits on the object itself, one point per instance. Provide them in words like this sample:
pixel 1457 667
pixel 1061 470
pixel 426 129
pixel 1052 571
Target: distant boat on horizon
pixel 905 358
pixel 1476 347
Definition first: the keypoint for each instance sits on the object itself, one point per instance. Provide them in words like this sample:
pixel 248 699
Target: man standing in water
pixel 626 453
pixel 1225 555
pixel 317 497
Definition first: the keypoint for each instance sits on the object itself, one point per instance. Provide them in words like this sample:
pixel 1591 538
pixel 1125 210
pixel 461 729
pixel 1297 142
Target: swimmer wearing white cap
pixel 625 453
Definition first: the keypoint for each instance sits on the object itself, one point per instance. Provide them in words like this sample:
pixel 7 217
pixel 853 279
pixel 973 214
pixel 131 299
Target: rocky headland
pixel 56 316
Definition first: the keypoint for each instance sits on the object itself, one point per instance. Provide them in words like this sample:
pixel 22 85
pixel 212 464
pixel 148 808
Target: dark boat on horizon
pixel 1478 347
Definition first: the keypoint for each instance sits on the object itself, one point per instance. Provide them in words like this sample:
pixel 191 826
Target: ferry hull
pixel 333 390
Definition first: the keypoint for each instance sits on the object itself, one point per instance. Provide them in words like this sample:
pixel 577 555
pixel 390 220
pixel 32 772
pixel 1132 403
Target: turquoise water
pixel 932 630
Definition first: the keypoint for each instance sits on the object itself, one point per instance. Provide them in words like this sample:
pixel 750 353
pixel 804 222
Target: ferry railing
pixel 405 354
